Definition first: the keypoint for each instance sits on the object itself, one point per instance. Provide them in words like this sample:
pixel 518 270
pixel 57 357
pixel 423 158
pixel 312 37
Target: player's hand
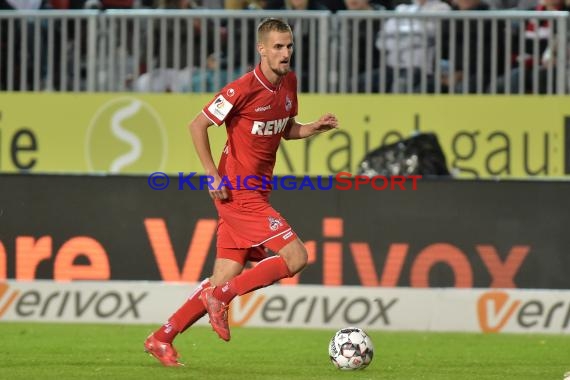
pixel 217 191
pixel 326 122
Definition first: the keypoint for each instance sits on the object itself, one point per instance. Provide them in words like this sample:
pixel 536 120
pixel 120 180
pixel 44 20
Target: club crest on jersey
pixel 274 223
pixel 288 103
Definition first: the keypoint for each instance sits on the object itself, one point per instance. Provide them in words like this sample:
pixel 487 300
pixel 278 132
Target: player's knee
pixel 297 260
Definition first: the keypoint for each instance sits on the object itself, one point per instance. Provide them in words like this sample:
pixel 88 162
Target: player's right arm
pixel 199 131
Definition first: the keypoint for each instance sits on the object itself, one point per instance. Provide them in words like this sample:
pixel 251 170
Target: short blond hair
pixel 272 25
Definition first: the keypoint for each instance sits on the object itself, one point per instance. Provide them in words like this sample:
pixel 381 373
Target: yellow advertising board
pixel 482 136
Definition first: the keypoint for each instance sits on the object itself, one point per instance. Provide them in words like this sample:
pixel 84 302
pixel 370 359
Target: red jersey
pixel 256 114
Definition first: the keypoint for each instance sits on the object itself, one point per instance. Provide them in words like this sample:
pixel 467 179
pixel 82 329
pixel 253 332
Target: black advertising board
pixel 509 234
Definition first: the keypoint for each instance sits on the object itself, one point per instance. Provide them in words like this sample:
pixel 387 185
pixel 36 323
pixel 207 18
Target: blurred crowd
pixel 332 5
pixel 401 51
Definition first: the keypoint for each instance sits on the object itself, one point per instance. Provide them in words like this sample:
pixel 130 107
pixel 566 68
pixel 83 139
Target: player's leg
pixel 261 225
pixel 159 343
pixel 226 268
pixel 193 309
pixel 229 263
pixel 295 256
pixel 291 259
pixel 255 224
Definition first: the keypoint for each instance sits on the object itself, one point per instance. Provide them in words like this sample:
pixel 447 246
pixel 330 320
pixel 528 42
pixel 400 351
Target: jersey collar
pixel 263 80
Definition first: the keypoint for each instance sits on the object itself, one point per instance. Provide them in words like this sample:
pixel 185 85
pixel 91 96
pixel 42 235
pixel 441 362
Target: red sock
pixel 192 310
pixel 265 273
pixel 166 333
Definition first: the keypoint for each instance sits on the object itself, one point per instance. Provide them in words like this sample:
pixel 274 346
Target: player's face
pixel 276 50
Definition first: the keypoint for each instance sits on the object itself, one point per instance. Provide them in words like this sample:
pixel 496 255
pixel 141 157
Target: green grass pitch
pixel 80 351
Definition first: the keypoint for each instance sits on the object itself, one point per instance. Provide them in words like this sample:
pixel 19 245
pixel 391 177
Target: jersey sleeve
pixel 222 105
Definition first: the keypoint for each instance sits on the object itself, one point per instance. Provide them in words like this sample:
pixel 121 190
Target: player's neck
pixel 270 75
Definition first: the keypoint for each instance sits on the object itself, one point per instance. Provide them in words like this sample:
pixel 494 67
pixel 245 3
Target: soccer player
pixel 258 109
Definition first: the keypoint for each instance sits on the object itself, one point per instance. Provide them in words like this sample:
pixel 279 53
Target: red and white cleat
pixel 163 352
pixel 218 312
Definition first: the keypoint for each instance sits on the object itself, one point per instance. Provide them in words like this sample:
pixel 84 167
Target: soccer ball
pixel 351 348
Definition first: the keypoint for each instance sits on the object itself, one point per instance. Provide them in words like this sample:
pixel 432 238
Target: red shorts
pixel 247 227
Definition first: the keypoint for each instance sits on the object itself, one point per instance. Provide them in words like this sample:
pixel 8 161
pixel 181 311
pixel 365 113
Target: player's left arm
pixel 296 130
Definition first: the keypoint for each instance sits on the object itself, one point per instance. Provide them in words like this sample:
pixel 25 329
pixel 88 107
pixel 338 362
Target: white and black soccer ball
pixel 351 348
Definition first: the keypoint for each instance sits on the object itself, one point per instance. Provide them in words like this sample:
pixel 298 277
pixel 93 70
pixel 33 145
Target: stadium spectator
pixel 548 70
pixel 23 4
pixel 102 4
pixel 468 76
pixel 246 4
pixel 117 4
pixel 67 4
pixel 409 45
pixel 14 57
pixel 525 62
pixel 335 5
pixel 339 5
pixel 363 5
pixel 183 75
pixel 361 42
pixel 165 76
pixel 266 99
pixel 68 45
pixel 298 5
pixel 243 31
pixel 513 4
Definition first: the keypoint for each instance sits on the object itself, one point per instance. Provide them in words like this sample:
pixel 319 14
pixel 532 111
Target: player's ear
pixel 261 49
